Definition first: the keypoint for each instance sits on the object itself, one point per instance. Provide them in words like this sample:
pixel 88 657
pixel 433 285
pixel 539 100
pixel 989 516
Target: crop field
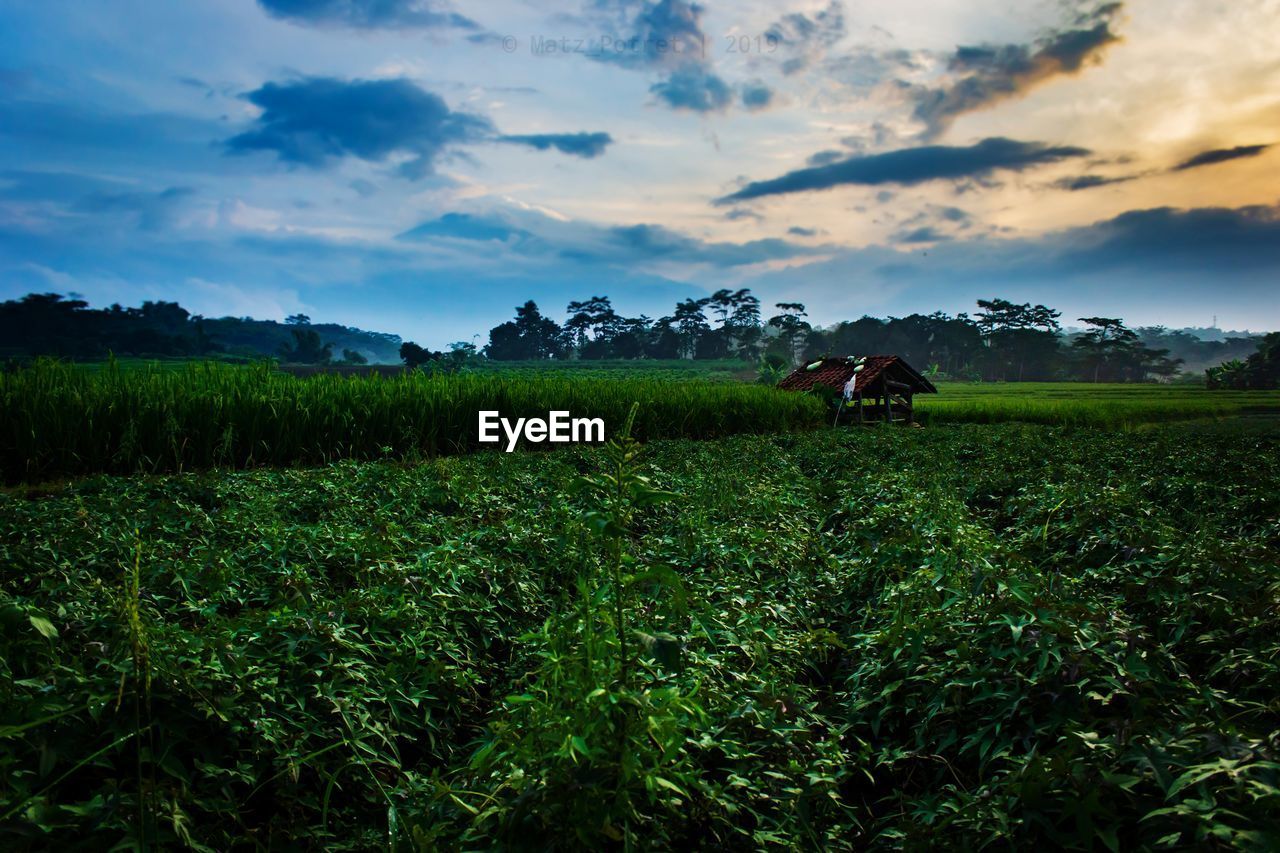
pixel 56 419
pixel 1086 404
pixel 60 420
pixel 964 635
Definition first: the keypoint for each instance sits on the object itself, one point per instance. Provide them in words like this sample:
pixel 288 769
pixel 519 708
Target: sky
pixel 422 168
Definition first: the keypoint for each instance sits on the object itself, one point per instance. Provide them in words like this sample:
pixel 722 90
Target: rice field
pixel 1085 404
pixel 59 420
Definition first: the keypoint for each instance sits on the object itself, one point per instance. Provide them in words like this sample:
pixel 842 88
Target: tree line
pixel 51 324
pixel 1002 340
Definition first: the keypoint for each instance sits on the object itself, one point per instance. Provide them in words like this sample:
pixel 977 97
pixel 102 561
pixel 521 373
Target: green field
pixel 61 420
pixel 1085 404
pixel 58 419
pixel 1006 635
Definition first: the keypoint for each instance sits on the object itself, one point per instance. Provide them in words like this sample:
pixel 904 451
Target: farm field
pixel 1087 404
pixel 966 635
pixel 60 420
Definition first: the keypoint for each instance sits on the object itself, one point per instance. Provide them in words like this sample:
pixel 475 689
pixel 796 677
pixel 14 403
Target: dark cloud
pixel 310 122
pixel 1175 265
pixel 667 36
pixel 913 166
pixel 585 145
pixel 368 14
pixel 933 224
pixel 986 74
pixel 756 96
pixel 695 88
pixel 1088 182
pixel 924 234
pixel 535 236
pixel 953 214
pixel 82 201
pixel 802 232
pixel 150 211
pixel 1220 155
pixel 738 213
pixel 822 158
pixel 805 38
pixel 655 243
pixel 464 226
pixel 1209 239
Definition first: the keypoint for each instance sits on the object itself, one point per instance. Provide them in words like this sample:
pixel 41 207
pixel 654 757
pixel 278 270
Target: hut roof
pixel 835 372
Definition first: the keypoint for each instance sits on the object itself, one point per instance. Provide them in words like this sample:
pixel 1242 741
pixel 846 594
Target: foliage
pixel 307 348
pixel 1261 370
pixel 48 324
pixel 964 636
pixel 1112 351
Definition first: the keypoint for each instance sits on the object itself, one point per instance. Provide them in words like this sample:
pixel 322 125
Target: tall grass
pixel 56 419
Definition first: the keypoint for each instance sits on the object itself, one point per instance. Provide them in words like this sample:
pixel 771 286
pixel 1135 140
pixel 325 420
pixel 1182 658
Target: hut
pixel 871 388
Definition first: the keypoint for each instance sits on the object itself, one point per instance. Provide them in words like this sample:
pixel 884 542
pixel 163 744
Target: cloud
pixel 805 38
pixel 756 96
pixel 823 158
pixel 312 121
pixel 798 231
pixel 667 36
pixel 88 203
pixel 532 234
pixel 1209 239
pixel 695 89
pixel 151 211
pixel 983 75
pixel 924 234
pixel 1088 182
pixel 585 145
pixel 368 14
pixel 1220 155
pixel 738 213
pixel 1179 266
pixel 934 224
pixel 464 226
pixel 913 166
pixel 654 242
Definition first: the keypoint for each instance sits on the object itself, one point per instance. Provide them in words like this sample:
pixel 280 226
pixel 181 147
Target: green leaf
pixel 43 625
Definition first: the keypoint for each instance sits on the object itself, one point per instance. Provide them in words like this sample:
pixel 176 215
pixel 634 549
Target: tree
pixel 740 323
pixel 791 327
pixel 1103 347
pixel 593 321
pixel 690 324
pixel 529 336
pixel 297 320
pixel 1261 370
pixel 307 348
pixel 350 356
pixel 663 341
pixel 1020 339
